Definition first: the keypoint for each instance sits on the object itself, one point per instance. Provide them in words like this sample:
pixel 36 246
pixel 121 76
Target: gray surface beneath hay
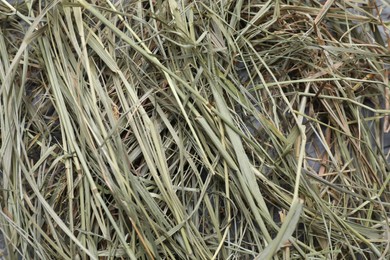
pixel 3 246
pixel 315 149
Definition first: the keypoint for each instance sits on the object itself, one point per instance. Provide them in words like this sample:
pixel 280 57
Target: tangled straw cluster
pixel 194 129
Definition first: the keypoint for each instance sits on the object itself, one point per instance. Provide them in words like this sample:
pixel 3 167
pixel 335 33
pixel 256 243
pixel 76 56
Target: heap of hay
pixel 194 129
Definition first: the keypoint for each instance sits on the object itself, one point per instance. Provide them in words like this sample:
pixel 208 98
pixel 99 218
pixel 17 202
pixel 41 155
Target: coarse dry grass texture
pixel 194 130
